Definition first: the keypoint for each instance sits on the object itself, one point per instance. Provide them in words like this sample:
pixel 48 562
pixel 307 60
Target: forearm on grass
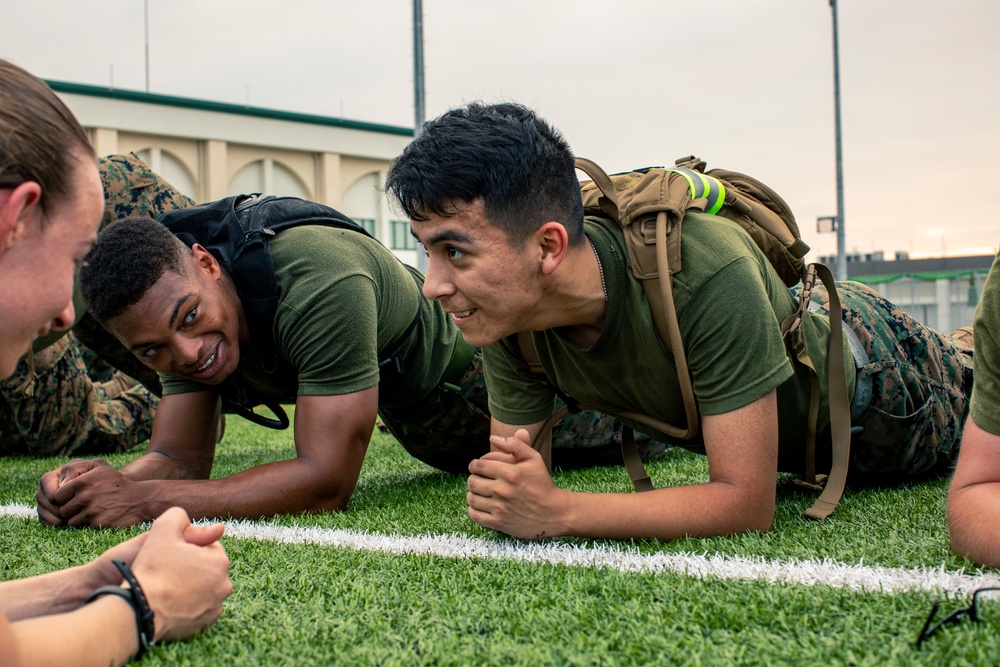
pixel 51 593
pixel 331 438
pixel 740 496
pixel 972 523
pixel 697 510
pixel 101 633
pixel 974 497
pixel 281 487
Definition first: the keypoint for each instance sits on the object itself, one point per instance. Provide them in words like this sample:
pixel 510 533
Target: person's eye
pixel 454 253
pixel 189 318
pixel 150 352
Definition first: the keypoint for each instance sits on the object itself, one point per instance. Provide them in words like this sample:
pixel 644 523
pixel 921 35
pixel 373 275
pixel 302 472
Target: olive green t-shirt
pixel 729 302
pixel 344 301
pixel 985 408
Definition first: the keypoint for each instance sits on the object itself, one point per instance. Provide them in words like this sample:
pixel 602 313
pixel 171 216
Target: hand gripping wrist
pixel 137 599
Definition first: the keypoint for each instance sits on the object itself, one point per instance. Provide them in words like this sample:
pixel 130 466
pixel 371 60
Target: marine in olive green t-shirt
pixel 729 303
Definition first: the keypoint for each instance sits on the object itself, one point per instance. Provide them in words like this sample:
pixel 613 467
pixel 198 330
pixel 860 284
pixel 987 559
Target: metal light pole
pixel 418 96
pixel 418 66
pixel 145 6
pixel 841 250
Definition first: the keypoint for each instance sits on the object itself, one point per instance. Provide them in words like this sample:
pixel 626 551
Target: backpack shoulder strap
pixel 840 405
pixel 654 250
pixel 543 441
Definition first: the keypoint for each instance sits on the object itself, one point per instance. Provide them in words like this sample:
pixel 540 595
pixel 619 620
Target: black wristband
pixel 137 599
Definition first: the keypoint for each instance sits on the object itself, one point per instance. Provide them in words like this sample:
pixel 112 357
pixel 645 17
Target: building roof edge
pixel 223 107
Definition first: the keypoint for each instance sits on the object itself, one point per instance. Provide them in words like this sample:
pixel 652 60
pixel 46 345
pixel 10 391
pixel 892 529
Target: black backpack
pixel 237 231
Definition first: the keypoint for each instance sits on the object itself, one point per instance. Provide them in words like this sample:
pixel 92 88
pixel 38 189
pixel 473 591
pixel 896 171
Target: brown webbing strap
pixel 810 479
pixel 673 332
pixel 609 203
pixel 630 450
pixel 526 346
pixel 792 335
pixel 840 406
pixel 633 462
pixel 543 441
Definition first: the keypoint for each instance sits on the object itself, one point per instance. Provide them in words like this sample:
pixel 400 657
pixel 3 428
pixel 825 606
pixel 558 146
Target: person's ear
pixel 19 207
pixel 205 260
pixel 553 241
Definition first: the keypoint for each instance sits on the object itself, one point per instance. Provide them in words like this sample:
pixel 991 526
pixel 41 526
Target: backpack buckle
pixel 818 485
pixel 647 227
pixel 648 230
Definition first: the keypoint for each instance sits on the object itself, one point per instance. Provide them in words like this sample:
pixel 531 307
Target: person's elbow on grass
pixel 968 536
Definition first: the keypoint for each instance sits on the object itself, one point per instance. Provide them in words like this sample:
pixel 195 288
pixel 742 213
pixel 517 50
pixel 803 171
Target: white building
pixel 939 292
pixel 210 150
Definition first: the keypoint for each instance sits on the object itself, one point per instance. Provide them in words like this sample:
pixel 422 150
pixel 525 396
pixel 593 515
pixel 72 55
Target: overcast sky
pixel 745 84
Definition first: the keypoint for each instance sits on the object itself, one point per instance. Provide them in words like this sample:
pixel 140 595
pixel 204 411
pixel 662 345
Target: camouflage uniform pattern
pixel 921 386
pixel 68 412
pixel 449 428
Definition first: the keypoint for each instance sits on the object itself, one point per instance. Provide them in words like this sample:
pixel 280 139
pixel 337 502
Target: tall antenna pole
pixel 841 250
pixel 145 4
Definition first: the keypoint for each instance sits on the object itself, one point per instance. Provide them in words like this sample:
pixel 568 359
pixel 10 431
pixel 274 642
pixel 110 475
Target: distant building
pixel 210 150
pixel 940 292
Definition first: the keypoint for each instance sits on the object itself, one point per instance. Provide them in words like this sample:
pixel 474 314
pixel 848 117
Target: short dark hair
pixel 130 255
pixel 40 140
pixel 503 154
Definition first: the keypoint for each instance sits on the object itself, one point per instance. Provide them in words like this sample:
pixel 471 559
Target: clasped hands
pixel 89 493
pixel 510 490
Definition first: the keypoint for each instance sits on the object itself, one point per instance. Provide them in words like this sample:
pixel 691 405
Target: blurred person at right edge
pixel 974 497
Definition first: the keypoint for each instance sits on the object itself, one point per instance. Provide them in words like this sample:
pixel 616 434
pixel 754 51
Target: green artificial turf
pixel 305 604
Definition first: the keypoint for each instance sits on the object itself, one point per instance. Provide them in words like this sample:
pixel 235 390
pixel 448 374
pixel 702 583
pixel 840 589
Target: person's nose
pixel 436 283
pixel 66 318
pixel 187 351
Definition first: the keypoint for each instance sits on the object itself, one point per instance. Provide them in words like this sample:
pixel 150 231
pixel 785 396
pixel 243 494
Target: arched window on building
pixel 268 177
pixel 171 169
pixel 360 203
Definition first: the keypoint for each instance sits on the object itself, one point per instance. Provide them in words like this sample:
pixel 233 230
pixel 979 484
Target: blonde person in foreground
pixel 167 583
pixel 974 498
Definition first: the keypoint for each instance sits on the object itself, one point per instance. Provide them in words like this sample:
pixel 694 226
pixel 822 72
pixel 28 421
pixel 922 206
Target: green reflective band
pixel 716 195
pixel 704 187
pixel 687 173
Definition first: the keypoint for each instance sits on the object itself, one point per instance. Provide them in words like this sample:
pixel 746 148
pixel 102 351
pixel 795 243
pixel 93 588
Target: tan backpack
pixel 650 205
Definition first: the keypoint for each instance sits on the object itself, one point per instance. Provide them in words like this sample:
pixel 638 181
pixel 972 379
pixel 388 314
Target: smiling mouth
pixel 208 368
pixel 209 361
pixel 463 314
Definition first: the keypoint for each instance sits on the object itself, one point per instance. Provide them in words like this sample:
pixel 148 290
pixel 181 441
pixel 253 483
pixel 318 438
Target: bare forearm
pixel 974 497
pixel 282 487
pixel 699 510
pixel 973 514
pixel 159 465
pixel 101 633
pixel 50 593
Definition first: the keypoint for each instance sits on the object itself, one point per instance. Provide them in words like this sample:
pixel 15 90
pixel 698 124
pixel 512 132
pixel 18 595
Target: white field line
pixel 857 577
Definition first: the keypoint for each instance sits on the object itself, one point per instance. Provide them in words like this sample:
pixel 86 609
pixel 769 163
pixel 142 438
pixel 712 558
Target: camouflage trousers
pixel 71 411
pixel 921 383
pixel 449 428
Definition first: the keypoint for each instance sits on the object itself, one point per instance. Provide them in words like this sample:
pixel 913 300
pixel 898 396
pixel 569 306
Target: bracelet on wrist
pixel 136 598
